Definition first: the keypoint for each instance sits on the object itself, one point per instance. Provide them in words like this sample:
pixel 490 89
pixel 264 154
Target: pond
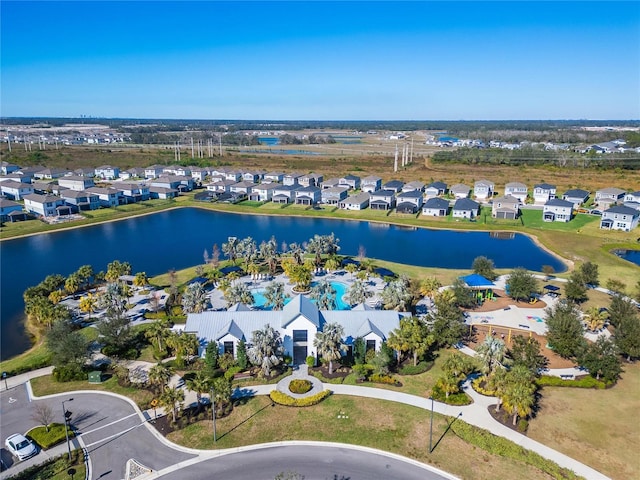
pixel 632 256
pixel 177 239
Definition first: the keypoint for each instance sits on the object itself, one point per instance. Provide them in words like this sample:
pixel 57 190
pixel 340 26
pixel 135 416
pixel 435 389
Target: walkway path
pixel 475 414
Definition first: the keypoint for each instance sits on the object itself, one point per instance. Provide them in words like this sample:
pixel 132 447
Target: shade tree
pixel 521 284
pixel 565 330
pixel 485 267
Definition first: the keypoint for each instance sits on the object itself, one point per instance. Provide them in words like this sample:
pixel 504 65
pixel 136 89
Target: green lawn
pixel 533 219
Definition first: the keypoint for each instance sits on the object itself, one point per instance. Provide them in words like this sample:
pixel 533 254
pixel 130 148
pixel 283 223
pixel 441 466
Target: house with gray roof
pixel 435 207
pixel 291 179
pixel 253 177
pixel 242 187
pixel 177 182
pixel 506 207
pixel 7 168
pixel 517 190
pixel 351 181
pixel 133 192
pixel 465 208
pixel 262 192
pixel 632 200
pixel 44 205
pixel 483 189
pixel 382 200
pixel 543 192
pixel 81 201
pixel 164 193
pixel 308 195
pixel 620 218
pixel 221 186
pixel 76 182
pixel 334 195
pixel 49 173
pixel 606 197
pixel 15 190
pixel 435 189
pixel 154 171
pixel 409 202
pixel 557 210
pixel 109 197
pixel 107 172
pixel 393 185
pixel 9 210
pixel 332 182
pixel 285 193
pixel 297 323
pixel 371 183
pixel 273 177
pixel 576 196
pixel 460 190
pixel 311 180
pixel 413 185
pixel 356 202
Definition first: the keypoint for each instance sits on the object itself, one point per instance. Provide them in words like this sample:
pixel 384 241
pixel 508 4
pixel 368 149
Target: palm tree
pixel 429 287
pixel 158 331
pixel 266 349
pixel 171 399
pixel 396 296
pixel 56 296
pixel 269 254
pixel 194 298
pixel 322 245
pixel 222 390
pixel 498 383
pixel 296 252
pixel 448 384
pixel 253 269
pixel 595 319
pixel 324 295
pixel 329 343
pixel 275 296
pixel 88 304
pixel 159 375
pixel 113 300
pixel 332 264
pixel 457 365
pixel 357 293
pixel 412 335
pixel 239 293
pixel 351 268
pixel 231 249
pixel 199 384
pixel 492 354
pixel 518 399
pixel 184 345
pixel 301 276
pixel 85 274
pixel 72 284
pixel 141 279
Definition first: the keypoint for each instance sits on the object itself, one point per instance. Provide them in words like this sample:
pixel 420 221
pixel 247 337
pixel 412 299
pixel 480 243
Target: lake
pixel 632 256
pixel 178 238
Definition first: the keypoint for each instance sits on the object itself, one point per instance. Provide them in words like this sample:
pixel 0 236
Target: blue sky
pixel 321 60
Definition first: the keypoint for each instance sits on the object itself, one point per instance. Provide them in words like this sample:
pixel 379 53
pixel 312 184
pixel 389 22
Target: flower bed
pixel 300 386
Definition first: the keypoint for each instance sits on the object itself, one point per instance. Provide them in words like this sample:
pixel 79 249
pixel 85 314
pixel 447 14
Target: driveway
pixel 108 426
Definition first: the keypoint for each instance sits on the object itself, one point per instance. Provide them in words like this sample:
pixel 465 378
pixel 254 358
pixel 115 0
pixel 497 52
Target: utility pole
pixel 395 162
pixel 9 140
pixel 411 159
pixel 220 138
pixel 191 147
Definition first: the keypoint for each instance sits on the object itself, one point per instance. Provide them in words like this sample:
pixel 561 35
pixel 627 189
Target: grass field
pixel 596 427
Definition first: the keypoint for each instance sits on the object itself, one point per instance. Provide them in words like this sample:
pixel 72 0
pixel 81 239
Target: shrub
pixel 479 385
pixel 585 382
pixel 284 399
pixel 69 373
pixel 300 386
pixel 457 399
pixel 311 361
pixel 54 436
pixel 523 425
pixel 230 373
pixel 416 369
pixel 226 361
pixel 362 370
pixel 378 378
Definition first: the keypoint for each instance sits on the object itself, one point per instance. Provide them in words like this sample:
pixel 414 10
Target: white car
pixel 20 446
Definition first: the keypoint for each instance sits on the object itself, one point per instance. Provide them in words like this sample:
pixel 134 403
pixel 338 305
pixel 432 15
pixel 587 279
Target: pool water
pixel 340 288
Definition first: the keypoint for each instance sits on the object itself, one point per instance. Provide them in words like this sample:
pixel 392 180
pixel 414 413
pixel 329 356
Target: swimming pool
pixel 340 288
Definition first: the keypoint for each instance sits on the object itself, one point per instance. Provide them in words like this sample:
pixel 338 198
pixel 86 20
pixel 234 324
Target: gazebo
pixel 482 287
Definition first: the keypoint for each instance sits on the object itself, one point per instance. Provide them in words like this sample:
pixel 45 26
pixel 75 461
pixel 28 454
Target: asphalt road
pixel 308 462
pixel 110 428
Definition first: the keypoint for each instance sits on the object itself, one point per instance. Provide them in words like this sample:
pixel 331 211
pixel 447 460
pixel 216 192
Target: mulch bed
pixel 324 371
pixel 164 424
pixel 504 418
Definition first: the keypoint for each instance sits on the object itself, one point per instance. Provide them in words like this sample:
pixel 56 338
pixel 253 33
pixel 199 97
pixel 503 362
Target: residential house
pixel 297 323
pixel 393 185
pixel 291 179
pixel 273 177
pixel 436 189
pixel 6 168
pixel 576 196
pixel 41 187
pixel 331 182
pixel 107 172
pixel 233 175
pixel 200 174
pixel 557 210
pixel 435 207
pixel 460 190
pixel 371 183
pixel 333 196
pixel 351 181
pixel 162 193
pixel 109 197
pixel 311 180
pixel 81 200
pixel 253 177
pixel 75 182
pixel 409 202
pixel 607 197
pixel 180 183
pixel 154 171
pixel 632 200
pixel 44 205
pixel 382 200
pixel 49 173
pixel 465 208
pixel 414 185
pixel 30 173
pixel 620 218
pixel 543 192
pixel 483 189
pixel 506 207
pixel 10 210
pixel 262 192
pixel 176 170
pixel 132 173
pixel 285 193
pixel 221 186
pixel 308 196
pixel 134 192
pixel 15 190
pixel 517 190
pixel 89 172
pixel 242 187
pixel 359 201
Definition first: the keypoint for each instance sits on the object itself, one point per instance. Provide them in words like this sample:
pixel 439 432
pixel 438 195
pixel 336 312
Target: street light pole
pixel 431 427
pixel 213 415
pixel 66 432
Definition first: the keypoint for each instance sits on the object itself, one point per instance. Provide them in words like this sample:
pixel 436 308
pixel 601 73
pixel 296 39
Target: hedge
pixel 284 399
pixel 378 378
pixel 505 448
pixel 585 382
pixel 300 386
pixel 417 369
pixel 54 436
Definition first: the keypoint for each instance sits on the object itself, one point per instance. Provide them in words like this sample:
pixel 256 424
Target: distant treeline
pixel 309 140
pixel 537 156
